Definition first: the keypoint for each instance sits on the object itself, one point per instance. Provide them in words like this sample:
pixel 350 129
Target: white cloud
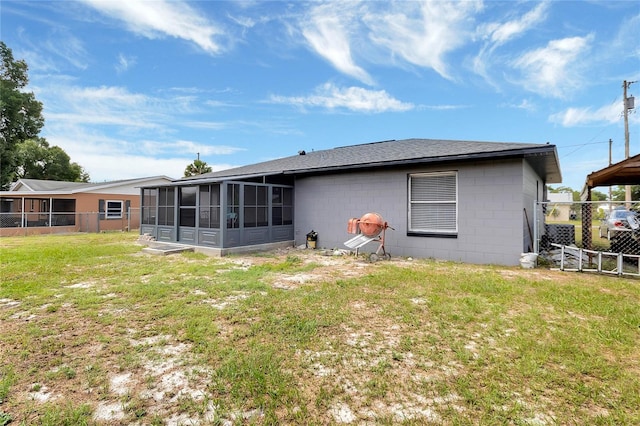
pixel 554 70
pixel 580 116
pixel 444 107
pixel 53 52
pixel 497 34
pixel 116 134
pixel 69 48
pixel 524 104
pixel 155 19
pixel 423 33
pixel 327 32
pixel 114 167
pixel 415 33
pixel 352 98
pixel 104 105
pixel 501 33
pixel 109 158
pixel 124 63
pixel 195 147
pixel 625 44
pixel 212 125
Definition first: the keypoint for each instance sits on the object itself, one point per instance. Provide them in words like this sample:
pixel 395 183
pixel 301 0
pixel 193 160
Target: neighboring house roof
pixel 542 157
pixel 560 197
pixel 37 186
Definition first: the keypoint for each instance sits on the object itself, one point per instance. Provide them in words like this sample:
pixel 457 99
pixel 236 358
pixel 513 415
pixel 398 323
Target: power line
pixel 584 144
pixel 580 146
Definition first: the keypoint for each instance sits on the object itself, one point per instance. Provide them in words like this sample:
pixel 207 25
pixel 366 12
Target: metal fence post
pixel 536 248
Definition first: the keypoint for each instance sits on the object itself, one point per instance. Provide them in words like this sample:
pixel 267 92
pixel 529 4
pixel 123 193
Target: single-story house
pixel 34 206
pixel 455 200
pixel 560 206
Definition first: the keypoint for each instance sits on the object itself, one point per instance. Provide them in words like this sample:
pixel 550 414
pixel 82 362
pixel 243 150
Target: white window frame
pixel 111 213
pixel 452 229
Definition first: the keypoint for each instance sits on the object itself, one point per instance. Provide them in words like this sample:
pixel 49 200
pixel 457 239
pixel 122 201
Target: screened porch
pixel 218 214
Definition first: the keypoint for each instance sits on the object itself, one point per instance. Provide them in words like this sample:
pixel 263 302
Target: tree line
pixel 617 193
pixel 23 153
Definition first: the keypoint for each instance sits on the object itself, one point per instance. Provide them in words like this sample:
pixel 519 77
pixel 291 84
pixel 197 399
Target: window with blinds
pixel 433 203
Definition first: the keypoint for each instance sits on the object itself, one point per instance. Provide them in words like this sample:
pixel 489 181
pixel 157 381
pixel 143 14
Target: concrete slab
pixel 164 249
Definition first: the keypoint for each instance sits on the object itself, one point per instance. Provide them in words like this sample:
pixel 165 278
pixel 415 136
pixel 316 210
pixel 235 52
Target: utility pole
pixel 628 103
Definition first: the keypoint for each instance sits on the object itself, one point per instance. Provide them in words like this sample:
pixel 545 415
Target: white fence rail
pixel 44 222
pixel 595 236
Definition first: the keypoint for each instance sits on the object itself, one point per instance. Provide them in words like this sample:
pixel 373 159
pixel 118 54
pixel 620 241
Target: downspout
pixel 50 212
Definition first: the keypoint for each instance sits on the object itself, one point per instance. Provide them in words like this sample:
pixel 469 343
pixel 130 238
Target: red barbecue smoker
pixel 369 228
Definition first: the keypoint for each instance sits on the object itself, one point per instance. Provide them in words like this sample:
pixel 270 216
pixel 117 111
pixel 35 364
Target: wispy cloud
pixel 555 69
pixel 162 18
pixel 68 47
pixel 124 63
pixel 417 33
pixel 441 107
pixel 105 105
pixel 496 34
pixel 197 147
pixel 330 96
pixel 524 104
pixel 212 125
pixel 423 33
pixel 626 43
pixel 55 52
pixel 572 117
pixel 327 33
pixel 114 132
pixel 500 33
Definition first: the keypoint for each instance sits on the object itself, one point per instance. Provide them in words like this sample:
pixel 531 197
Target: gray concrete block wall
pixel 490 211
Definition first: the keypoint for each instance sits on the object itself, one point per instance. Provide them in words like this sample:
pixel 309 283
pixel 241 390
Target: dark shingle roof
pixel 396 152
pixel 41 185
pixel 38 185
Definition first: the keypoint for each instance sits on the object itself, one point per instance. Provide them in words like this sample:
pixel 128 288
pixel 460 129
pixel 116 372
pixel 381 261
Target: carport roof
pixel 626 172
pixel 542 157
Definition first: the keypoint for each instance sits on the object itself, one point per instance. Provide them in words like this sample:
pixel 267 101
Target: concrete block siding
pixel 490 210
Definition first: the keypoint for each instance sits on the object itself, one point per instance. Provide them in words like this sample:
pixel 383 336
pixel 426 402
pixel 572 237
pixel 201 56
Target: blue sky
pixel 134 89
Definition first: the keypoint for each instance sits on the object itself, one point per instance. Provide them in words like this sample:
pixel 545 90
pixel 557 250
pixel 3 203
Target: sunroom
pixel 219 214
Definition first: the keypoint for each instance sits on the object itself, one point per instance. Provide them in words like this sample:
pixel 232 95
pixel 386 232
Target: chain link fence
pixel 594 235
pixel 43 223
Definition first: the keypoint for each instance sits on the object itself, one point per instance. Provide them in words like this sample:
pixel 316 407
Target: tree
pixel 198 167
pixel 37 160
pixel 618 194
pixel 21 117
pixel 595 195
pixel 576 207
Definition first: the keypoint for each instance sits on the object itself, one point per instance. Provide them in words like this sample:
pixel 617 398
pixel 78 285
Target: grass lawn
pixel 93 331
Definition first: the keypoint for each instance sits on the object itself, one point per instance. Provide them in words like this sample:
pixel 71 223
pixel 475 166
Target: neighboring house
pixel 35 206
pixel 560 207
pixel 455 200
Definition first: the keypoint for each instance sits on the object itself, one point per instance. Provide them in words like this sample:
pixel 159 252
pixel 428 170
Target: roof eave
pixel 213 179
pixel 554 176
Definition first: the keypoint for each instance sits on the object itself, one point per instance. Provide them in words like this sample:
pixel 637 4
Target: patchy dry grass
pixel 93 331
